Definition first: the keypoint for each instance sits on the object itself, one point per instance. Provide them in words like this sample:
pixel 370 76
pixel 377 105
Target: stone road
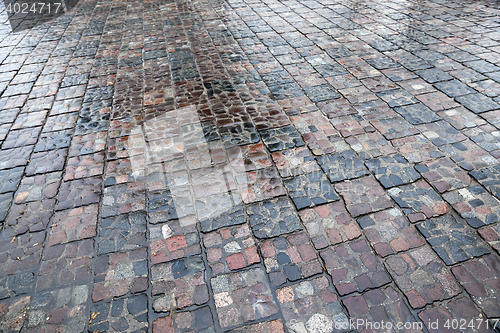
pixel 251 166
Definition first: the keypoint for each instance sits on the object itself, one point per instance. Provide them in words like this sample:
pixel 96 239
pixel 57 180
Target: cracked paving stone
pixel 53 140
pixel 199 320
pixel 173 240
pixel 491 234
pixel 479 277
pixel 73 224
pixel 242 296
pixel 238 135
pixel 452 239
pixel 93 143
pixel 66 264
pixel 454 88
pixel 290 258
pixel 394 127
pixel 397 98
pixel 129 314
pixel 179 284
pixel 437 101
pixel 389 232
pixel 312 306
pixel 79 192
pixel 21 253
pixel 274 326
pixel 273 217
pixel 120 273
pixel 124 232
pixel 38 188
pixel 363 195
pixel 310 189
pixel 370 145
pixel 342 166
pixel 281 138
pixel 469 155
pixel 422 277
pixel 417 149
pixel 46 161
pixel 417 114
pixel 444 175
pixel 441 133
pixel 22 137
pixel 354 267
pixel 478 103
pixel 122 198
pixel 392 170
pixel 59 310
pixel 419 201
pixel 84 166
pixel 294 162
pixel 32 216
pixel 230 249
pixel 380 305
pixel 10 179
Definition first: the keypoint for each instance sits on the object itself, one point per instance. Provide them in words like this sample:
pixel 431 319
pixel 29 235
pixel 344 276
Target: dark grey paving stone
pixel 122 233
pixel 5 201
pixel 238 135
pixel 382 63
pixel 489 178
pixel 10 179
pixel 454 88
pixel 287 90
pixel 482 66
pixel 397 98
pixel 98 94
pixel 281 138
pixel 452 239
pixel 417 114
pixel 310 189
pixel 75 80
pixel 342 166
pixel 321 93
pixel 461 56
pixel 477 103
pixel 94 117
pixel 434 75
pixel 16 284
pixel 273 217
pixel 231 216
pixel 392 170
pixel 54 140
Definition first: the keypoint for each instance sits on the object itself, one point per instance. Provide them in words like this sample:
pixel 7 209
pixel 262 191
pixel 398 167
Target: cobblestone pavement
pixel 251 166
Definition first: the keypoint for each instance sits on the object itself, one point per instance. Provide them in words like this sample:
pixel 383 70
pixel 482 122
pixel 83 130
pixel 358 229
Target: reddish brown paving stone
pixel 21 253
pixel 274 326
pixel 329 224
pixel 491 234
pixel 422 277
pixel 91 143
pixel 120 273
pixel 84 166
pixel 444 175
pixel 118 171
pixel 352 125
pixel 39 187
pixel 437 101
pixel 379 307
pixel 389 232
pixel 230 249
pixel 354 267
pixel 337 108
pixel 179 284
pixel 363 195
pixel 316 132
pixel 123 198
pixel 14 312
pixel 248 158
pixel 417 149
pixel 293 162
pixel 66 264
pixel 358 94
pixel 199 320
pixel 311 304
pixel 379 83
pixel 73 224
pixel 268 116
pixel 480 277
pixel 416 86
pixel 370 145
pixel 78 192
pixel 22 137
pixel 260 184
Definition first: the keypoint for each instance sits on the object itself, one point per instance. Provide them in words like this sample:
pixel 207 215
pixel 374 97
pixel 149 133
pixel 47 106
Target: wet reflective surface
pixel 250 166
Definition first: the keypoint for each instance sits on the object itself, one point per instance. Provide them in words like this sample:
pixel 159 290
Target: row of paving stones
pixel 120 221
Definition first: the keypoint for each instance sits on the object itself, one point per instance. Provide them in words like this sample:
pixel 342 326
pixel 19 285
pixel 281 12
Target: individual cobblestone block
pixel 486 138
pixel 22 137
pixel 248 158
pixel 461 118
pixel 265 327
pixel 392 170
pixel 290 258
pixel 281 138
pixel 60 122
pixel 444 175
pixel 312 305
pixel 389 232
pixel 33 216
pixel 21 253
pixel 441 133
pixel 92 143
pixel 66 264
pixel 79 192
pixel 32 119
pixel 329 224
pixel 124 232
pixel 208 181
pixel 337 107
pixel 66 106
pixel 419 201
pixel 479 277
pixel 123 198
pixel 230 249
pixel 447 313
pixel 475 205
pixel 273 217
pixel 422 277
pixel 397 98
pixel 4 131
pixel 10 179
pixel 294 162
pixel 238 135
pixel 379 83
pixel 434 75
pixel 310 189
pixel 173 240
pixel 120 273
pixel 417 149
pixel 38 187
pixel 437 101
pixel 242 296
pixel 53 140
pixel 394 127
pixel 370 145
pixel 416 86
pixel 199 320
pixel 260 185
pixel 47 161
pixel 491 234
pixel 59 310
pixel 363 195
pixel 5 202
pixel 417 114
pixel 16 284
pixel 220 210
pixel 84 166
pixel 14 312
pixel 352 125
pixel 469 155
pixel 381 305
pixel 179 284
pixel 452 239
pixel 492 117
pixel 354 267
pixel 129 314
pixel 342 166
pixel 454 88
pixel 74 224
pixel 478 103
pixel 117 171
